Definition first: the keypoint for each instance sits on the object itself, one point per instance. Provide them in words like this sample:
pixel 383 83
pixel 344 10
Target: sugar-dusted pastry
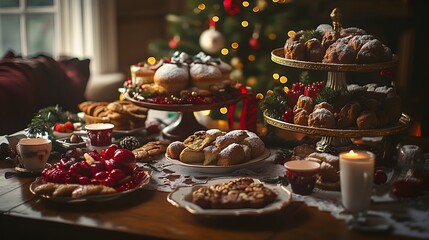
pixel 235 136
pixel 174 149
pixel 304 102
pixel 321 118
pixel 255 144
pixel 189 155
pixel 201 139
pixel 231 155
pixel 225 69
pixel 171 78
pixel 325 105
pixel 371 52
pixel 340 53
pixel 314 50
pixel 301 117
pixel 204 75
pixel 211 153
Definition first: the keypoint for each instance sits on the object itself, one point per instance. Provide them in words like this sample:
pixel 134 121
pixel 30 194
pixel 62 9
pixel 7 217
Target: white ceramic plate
pixel 181 197
pixel 94 198
pixel 65 143
pixel 199 167
pixel 78 131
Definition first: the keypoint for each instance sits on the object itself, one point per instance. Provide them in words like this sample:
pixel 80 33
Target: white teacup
pixel 34 153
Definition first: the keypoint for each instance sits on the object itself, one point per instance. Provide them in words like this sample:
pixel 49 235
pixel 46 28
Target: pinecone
pixel 129 142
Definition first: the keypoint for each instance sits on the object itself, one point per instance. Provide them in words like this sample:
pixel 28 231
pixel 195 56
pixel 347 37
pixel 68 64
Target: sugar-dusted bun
pixel 304 102
pixel 191 156
pixel 340 52
pixel 325 105
pixel 314 50
pixel 256 145
pixel 231 155
pixel 371 52
pixel 210 155
pixel 235 136
pixel 174 149
pixel 225 69
pixel 204 75
pixel 358 41
pixel 172 78
pixel 329 38
pixel 294 50
pixel 300 117
pixel 321 118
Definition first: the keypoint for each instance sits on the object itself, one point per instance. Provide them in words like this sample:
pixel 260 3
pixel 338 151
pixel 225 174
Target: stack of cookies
pixel 123 114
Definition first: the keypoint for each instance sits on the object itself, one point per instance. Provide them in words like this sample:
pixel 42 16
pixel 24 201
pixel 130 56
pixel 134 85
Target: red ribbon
pixel 248 115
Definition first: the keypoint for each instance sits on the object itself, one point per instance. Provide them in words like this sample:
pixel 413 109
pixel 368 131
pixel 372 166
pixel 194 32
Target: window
pixel 29 26
pixel 78 28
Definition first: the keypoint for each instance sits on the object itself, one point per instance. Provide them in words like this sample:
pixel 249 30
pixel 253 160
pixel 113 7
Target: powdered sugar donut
pixel 172 78
pixel 204 75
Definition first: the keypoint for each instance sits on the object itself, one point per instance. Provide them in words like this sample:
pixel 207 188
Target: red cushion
pixel 29 84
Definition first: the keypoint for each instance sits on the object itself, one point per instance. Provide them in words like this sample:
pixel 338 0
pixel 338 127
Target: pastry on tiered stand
pixel 357 111
pixel 186 84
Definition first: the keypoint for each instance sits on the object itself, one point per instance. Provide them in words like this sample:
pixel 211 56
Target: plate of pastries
pixel 231 197
pixel 126 116
pixel 215 151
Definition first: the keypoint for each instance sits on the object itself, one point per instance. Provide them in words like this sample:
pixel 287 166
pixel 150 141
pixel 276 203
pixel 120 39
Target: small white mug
pixel 34 153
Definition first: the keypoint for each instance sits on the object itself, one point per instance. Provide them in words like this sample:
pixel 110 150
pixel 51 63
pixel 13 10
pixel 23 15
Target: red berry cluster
pixel 298 89
pixel 115 167
pixel 66 127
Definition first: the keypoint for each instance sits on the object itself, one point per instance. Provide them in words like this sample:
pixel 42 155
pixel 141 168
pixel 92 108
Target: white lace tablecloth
pixel 406 218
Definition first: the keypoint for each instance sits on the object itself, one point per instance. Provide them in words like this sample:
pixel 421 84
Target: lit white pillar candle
pixel 357 176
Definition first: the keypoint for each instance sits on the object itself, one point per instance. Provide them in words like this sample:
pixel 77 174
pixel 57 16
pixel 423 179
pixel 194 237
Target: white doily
pixel 407 218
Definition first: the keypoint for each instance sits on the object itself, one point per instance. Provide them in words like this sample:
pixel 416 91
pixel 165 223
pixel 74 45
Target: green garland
pixel 275 104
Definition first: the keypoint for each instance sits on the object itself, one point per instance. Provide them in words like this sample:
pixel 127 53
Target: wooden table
pixel 147 214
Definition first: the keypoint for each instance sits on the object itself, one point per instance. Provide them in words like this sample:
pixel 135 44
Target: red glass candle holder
pixel 100 134
pixel 302 175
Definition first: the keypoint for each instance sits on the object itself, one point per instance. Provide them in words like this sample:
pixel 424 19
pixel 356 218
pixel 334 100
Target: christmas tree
pixel 242 33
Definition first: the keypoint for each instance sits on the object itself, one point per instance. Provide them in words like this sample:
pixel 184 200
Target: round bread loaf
pixel 171 78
